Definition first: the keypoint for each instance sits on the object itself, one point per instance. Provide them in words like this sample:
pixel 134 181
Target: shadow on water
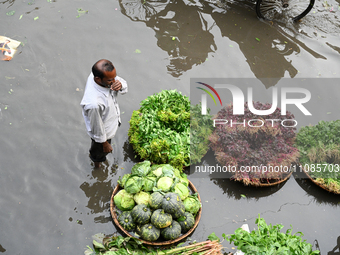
pixel 337 247
pixel 10 2
pixel 98 189
pixel 129 154
pixel 182 29
pixel 319 195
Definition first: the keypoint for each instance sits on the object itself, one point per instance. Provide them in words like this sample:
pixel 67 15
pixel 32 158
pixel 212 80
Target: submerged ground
pixel 53 201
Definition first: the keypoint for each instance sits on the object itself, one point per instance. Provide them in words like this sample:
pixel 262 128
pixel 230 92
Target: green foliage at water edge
pixel 269 240
pixel 319 147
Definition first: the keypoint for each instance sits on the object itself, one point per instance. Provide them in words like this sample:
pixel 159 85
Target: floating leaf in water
pixel 36 18
pixel 81 12
pixel 243 195
pixel 257 39
pixel 328 112
pixel 20 16
pixel 325 4
pixel 137 51
pixel 10 13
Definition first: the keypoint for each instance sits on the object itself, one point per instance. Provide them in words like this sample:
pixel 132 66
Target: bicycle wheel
pixel 283 9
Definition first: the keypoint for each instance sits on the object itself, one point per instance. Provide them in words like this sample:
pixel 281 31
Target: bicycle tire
pixel 274 10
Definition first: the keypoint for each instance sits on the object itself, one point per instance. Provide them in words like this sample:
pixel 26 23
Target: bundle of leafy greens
pixel 261 151
pixel 118 245
pixel 319 147
pixel 268 240
pixel 201 127
pixel 160 129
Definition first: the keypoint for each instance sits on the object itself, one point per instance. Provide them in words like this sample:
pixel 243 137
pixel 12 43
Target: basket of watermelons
pixel 156 204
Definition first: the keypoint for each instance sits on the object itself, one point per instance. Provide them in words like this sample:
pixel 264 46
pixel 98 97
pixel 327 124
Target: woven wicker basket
pixel 115 219
pixel 319 184
pixel 276 183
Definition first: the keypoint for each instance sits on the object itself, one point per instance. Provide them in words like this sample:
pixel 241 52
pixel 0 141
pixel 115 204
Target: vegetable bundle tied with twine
pixel 118 245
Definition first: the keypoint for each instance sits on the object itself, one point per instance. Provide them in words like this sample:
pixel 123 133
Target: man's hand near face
pixel 116 85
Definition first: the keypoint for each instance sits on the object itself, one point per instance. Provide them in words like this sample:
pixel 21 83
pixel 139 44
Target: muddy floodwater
pixel 52 200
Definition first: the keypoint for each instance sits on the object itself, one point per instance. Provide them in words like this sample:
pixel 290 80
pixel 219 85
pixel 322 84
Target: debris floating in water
pixel 8 48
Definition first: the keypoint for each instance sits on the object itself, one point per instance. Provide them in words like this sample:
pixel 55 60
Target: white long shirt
pixel 100 109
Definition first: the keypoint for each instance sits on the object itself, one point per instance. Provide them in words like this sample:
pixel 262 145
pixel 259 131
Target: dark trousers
pixel 96 151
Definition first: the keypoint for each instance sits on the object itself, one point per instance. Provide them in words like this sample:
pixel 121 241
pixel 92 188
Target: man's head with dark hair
pixel 104 73
pixel 102 66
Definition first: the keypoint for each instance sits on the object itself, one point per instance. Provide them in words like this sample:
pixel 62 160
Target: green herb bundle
pixel 319 148
pixel 268 240
pixel 160 129
pixel 201 127
pixel 118 245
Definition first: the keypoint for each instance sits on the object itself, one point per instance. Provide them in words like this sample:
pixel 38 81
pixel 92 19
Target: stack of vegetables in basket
pixel 156 202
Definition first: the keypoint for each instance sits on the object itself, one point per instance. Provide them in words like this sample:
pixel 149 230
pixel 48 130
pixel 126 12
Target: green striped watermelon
pixel 171 232
pixel 160 219
pixel 126 221
pixel 187 222
pixel 170 202
pixel 156 200
pixel 141 214
pixel 149 232
pixel 180 210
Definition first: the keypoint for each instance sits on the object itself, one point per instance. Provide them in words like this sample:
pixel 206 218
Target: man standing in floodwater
pixel 100 108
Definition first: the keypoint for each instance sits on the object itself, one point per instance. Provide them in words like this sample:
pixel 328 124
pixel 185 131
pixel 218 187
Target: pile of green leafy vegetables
pixel 118 245
pixel 319 147
pixel 160 130
pixel 268 240
pixel 265 240
pixel 201 127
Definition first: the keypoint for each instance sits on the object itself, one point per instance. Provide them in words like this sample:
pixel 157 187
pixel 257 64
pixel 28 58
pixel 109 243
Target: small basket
pixel 115 219
pixel 319 184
